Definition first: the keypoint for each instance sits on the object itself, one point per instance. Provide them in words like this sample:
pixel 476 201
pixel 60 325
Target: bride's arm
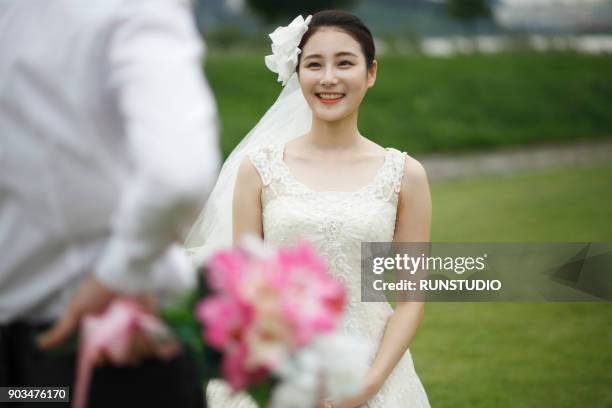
pixel 412 225
pixel 246 211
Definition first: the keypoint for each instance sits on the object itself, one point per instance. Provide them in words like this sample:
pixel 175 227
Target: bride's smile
pixel 329 97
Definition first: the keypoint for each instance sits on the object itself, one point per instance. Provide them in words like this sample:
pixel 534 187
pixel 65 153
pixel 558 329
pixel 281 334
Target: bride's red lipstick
pixel 329 100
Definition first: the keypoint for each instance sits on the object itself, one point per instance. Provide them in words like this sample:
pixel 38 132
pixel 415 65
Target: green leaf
pixel 262 392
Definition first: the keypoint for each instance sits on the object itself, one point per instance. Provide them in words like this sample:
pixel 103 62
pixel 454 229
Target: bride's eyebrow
pixel 346 54
pixel 339 54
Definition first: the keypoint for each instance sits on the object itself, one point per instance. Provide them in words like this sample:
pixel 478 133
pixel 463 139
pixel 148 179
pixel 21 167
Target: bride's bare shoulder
pixel 248 175
pixel 414 179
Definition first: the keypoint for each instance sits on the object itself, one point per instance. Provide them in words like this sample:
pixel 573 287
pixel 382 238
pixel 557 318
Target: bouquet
pixel 263 319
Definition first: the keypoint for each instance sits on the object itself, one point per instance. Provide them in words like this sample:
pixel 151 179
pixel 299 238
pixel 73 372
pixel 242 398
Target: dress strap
pixel 390 180
pixel 265 161
pixel 398 159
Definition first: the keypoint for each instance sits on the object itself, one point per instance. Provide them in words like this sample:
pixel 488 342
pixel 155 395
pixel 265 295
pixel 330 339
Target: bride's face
pixel 333 74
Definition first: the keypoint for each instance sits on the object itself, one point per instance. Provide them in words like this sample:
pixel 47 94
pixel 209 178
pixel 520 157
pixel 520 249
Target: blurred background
pixel 508 104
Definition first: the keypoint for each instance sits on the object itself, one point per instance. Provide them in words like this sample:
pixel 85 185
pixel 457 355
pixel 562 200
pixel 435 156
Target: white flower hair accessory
pixel 285 51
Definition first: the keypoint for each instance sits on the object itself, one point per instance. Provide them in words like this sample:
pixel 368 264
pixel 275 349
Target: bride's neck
pixel 341 134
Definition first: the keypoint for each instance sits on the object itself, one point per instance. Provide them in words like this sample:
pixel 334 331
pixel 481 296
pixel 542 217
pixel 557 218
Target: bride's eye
pixel 346 63
pixel 313 65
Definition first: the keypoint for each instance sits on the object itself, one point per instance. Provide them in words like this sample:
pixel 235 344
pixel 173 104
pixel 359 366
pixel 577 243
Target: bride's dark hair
pixel 346 22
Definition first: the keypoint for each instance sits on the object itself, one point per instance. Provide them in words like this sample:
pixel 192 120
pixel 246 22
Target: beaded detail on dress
pixel 336 223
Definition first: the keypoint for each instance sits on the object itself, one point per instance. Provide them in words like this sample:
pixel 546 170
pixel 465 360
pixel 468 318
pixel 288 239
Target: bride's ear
pixel 372 73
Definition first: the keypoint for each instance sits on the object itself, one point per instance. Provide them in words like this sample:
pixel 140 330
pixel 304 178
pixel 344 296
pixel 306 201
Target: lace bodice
pixel 336 223
pixel 319 216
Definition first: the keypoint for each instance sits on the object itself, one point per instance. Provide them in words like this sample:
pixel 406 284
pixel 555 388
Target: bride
pixel 306 172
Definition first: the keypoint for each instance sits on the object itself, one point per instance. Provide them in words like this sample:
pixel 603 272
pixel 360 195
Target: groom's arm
pixel 170 120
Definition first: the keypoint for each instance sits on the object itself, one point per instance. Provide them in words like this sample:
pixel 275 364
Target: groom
pixel 108 146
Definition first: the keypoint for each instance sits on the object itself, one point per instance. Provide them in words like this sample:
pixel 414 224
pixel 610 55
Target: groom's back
pixel 56 113
pixel 89 91
pixel 53 68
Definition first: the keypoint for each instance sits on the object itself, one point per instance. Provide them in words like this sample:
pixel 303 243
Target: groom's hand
pixel 92 297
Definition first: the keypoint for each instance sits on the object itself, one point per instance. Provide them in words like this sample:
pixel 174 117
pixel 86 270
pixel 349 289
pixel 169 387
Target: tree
pixel 283 11
pixel 468 11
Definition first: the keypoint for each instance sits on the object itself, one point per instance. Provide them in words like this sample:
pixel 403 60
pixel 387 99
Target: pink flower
pixel 270 337
pixel 226 270
pixel 237 374
pixel 110 336
pixel 267 307
pixel 313 299
pixel 225 318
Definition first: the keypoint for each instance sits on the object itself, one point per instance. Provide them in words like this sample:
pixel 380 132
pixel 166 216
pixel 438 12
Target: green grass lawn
pixel 423 104
pixel 566 205
pixel 520 354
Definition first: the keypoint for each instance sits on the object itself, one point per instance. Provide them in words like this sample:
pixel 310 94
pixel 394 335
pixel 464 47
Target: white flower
pixel 334 363
pixel 344 362
pixel 300 381
pixel 285 51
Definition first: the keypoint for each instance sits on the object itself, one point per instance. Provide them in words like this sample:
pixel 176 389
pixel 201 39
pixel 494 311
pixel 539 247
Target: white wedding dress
pixel 336 223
